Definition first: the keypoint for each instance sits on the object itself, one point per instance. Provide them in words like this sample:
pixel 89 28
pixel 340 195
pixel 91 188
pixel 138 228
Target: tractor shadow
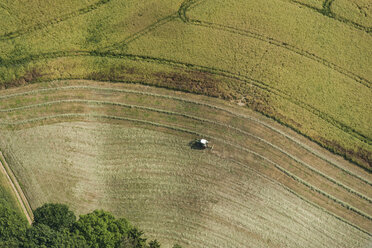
pixel 195 145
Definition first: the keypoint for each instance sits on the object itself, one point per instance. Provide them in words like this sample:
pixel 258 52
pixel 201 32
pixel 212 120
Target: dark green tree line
pixel 56 226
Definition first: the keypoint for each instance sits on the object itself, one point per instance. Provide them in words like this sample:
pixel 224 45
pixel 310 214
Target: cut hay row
pixel 277 166
pixel 123 180
pixel 54 21
pixel 198 119
pixel 205 69
pixel 312 151
pixel 312 203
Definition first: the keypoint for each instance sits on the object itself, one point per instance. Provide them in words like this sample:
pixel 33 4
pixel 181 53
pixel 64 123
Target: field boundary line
pixel 193 102
pixel 21 197
pixel 294 158
pixel 277 166
pixel 50 22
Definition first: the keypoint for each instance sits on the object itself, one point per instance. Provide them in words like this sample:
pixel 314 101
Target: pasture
pixel 126 148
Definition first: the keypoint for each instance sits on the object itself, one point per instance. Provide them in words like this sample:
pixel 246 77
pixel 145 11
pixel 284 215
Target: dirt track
pixel 17 189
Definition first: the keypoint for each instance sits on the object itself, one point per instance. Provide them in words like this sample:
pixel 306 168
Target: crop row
pixel 201 120
pixel 178 129
pixel 186 101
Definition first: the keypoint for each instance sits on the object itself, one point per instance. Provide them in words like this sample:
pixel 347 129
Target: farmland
pixel 125 148
pixel 100 99
pixel 309 76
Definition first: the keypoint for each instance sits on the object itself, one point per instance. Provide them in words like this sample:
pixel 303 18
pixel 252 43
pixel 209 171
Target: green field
pixel 100 99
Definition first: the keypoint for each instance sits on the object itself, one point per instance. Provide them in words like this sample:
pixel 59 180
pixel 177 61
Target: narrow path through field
pixel 23 202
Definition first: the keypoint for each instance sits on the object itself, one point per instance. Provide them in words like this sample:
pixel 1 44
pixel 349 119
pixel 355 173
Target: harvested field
pixel 125 148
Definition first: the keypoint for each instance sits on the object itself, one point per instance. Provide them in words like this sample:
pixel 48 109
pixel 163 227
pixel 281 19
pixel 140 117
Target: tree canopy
pixel 56 226
pixel 56 216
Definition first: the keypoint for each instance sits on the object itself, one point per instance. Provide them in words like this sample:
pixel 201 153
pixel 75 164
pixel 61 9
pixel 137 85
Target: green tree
pixel 177 246
pixel 12 226
pixel 133 239
pixel 43 236
pixel 40 236
pixel 56 216
pixel 101 229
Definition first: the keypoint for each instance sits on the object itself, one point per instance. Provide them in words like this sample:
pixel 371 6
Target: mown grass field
pixel 304 63
pixel 125 148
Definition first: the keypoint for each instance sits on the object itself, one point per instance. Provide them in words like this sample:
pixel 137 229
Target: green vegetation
pixel 12 222
pixel 56 226
pixel 307 74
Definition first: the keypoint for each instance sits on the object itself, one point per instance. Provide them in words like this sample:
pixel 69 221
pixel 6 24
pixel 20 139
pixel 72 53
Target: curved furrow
pixel 286 46
pixel 185 5
pixel 23 31
pixel 272 41
pixel 277 166
pixel 186 101
pixel 348 189
pixel 326 12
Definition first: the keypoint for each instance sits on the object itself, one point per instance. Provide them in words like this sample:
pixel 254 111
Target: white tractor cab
pixel 202 143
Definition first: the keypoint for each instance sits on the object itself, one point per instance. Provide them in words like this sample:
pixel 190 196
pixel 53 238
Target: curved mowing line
pixel 56 20
pixel 214 71
pixel 327 12
pixel 192 102
pixel 277 166
pixel 350 190
pixel 284 45
pixel 183 16
pixel 124 43
pixel 304 199
pixel 187 4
